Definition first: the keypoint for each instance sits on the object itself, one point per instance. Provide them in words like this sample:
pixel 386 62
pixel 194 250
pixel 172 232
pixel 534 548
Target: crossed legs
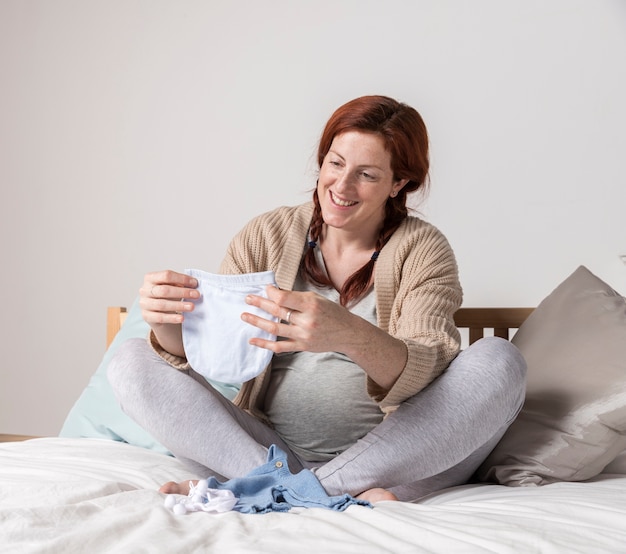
pixel 434 440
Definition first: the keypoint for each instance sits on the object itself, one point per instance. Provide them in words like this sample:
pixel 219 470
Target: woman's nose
pixel 344 182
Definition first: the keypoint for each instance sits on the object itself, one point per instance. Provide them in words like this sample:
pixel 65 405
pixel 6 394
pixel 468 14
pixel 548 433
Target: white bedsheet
pixel 87 495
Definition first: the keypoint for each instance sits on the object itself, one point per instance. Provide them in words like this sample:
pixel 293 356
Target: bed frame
pixel 501 320
pixel 477 320
pixel 116 316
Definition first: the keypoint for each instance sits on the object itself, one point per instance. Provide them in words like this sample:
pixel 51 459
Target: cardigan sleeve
pixel 428 293
pixel 177 362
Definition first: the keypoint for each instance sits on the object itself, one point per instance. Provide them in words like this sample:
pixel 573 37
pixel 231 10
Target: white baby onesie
pixel 214 336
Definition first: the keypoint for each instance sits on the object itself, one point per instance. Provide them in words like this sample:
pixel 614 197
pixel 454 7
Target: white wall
pixel 139 135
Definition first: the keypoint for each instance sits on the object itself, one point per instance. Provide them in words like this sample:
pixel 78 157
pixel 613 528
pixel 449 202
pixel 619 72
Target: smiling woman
pixel 364 311
pixel 371 140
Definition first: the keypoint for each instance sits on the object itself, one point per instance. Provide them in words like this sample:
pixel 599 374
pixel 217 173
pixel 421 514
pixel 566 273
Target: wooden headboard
pixel 116 316
pixel 501 320
pixel 477 320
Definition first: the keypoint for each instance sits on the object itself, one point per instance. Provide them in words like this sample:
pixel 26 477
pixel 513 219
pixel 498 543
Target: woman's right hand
pixel 164 296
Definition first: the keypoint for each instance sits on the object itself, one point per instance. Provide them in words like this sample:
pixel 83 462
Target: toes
pixel 377 495
pixel 170 488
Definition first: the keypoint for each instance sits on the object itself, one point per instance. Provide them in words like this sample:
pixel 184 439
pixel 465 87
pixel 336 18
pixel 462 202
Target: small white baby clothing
pixel 215 337
pixel 201 499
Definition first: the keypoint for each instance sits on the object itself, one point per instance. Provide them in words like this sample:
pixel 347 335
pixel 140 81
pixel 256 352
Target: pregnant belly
pixel 318 403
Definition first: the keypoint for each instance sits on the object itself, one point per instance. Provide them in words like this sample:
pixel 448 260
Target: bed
pixel 555 483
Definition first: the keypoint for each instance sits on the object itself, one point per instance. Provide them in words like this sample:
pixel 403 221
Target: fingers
pixel 292 338
pixel 285 298
pixel 292 324
pixel 162 311
pixel 271 326
pixel 288 317
pixel 278 346
pixel 309 321
pixel 169 285
pixel 279 307
pixel 165 295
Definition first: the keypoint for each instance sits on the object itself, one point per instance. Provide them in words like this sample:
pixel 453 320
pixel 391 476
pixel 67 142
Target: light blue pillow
pixel 97 414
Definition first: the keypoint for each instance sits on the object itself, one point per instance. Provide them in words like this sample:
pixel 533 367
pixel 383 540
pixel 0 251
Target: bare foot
pixel 172 487
pixel 377 495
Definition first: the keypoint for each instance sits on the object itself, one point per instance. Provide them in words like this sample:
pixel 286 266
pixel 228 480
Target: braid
pixel 358 283
pixel 312 272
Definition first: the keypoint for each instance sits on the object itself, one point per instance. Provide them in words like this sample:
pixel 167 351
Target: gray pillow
pixel 573 422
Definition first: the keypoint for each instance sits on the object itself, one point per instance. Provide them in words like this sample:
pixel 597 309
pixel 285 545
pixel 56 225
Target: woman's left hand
pixel 309 322
pixel 312 323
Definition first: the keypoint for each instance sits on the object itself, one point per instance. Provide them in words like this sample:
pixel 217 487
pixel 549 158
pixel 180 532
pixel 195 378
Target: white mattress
pixel 88 495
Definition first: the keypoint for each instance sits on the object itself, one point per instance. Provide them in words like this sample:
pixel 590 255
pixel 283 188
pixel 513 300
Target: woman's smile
pixel 338 201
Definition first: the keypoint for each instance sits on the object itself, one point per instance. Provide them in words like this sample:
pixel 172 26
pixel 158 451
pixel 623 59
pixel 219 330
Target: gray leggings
pixel 434 440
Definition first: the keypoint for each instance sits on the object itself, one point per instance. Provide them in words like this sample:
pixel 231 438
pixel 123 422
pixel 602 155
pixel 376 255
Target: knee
pixel 502 356
pixel 500 366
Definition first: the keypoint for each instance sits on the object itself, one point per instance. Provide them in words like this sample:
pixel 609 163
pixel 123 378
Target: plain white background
pixel 142 134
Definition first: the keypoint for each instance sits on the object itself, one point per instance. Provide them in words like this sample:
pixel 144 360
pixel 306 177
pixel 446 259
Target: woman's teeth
pixel 339 202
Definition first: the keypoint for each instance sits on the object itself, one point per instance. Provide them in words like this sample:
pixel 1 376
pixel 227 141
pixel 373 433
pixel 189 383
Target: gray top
pixel 318 402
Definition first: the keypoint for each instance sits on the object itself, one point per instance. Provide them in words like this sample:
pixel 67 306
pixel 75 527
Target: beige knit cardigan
pixel 417 292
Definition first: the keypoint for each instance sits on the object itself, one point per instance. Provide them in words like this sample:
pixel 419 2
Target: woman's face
pixel 355 182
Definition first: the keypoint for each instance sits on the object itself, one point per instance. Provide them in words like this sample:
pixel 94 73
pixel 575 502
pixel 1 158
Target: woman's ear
pixel 398 186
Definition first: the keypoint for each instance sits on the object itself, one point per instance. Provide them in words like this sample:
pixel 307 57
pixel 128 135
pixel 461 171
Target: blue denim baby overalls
pixel 273 488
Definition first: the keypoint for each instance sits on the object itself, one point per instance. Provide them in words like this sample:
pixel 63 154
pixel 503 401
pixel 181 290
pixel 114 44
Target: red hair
pixel 405 137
